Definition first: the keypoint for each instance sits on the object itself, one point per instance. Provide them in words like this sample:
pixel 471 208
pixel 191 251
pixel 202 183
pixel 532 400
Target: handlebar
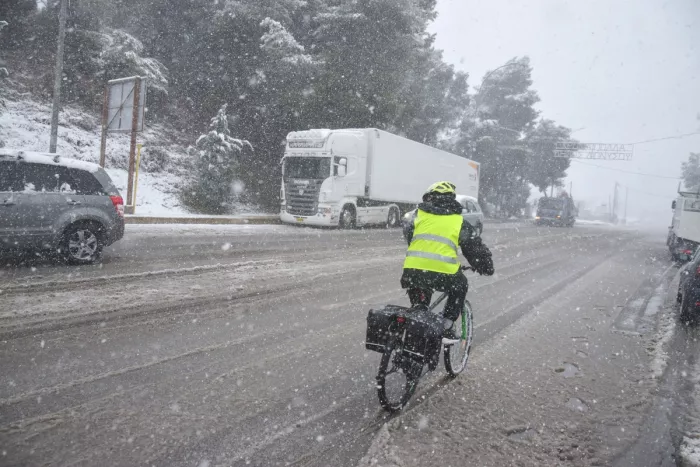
pixel 466 268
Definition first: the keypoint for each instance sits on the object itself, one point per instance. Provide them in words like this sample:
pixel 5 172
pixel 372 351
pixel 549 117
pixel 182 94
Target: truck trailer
pixel 353 177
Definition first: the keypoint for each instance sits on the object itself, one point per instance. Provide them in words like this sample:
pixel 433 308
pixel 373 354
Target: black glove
pixel 480 258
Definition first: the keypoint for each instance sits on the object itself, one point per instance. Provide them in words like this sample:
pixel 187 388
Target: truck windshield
pixel 307 167
pixel 551 203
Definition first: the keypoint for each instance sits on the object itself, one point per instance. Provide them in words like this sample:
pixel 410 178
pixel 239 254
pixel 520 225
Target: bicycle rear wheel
pixel 397 378
pixel 457 355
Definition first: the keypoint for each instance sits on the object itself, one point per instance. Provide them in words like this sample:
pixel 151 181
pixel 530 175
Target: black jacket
pixel 478 254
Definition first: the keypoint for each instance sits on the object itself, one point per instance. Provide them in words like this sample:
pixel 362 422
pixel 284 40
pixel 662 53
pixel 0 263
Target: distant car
pixel 52 203
pixel 689 288
pixel 471 212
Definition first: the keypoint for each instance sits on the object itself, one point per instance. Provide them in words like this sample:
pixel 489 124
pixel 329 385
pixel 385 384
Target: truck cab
pixel 322 170
pixel 684 233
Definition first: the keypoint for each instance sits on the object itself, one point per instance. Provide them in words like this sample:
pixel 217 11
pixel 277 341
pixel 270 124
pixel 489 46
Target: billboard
pixel 120 104
pixel 594 151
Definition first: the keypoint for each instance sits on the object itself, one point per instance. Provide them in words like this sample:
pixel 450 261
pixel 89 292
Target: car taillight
pixel 400 319
pixel 118 203
pixel 697 271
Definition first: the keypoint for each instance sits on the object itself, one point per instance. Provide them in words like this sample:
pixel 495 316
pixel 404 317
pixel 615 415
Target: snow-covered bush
pixel 216 181
pixel 154 159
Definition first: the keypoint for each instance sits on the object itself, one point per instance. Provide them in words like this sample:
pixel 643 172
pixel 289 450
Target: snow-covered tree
pixel 124 55
pixel 280 44
pixel 544 169
pixel 217 156
pixel 493 132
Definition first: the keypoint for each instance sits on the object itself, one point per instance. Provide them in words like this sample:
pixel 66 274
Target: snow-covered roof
pixel 49 159
pixel 309 134
pixel 320 133
pixel 468 198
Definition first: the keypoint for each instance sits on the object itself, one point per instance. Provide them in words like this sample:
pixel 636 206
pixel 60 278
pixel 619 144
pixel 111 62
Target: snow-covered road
pixel 244 346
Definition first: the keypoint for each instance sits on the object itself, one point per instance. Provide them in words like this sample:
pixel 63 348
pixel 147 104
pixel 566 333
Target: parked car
pixel 471 212
pixel 48 202
pixel 689 288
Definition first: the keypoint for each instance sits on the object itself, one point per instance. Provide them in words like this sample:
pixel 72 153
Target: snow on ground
pixel 689 449
pixel 134 230
pixel 587 222
pixel 25 125
pixel 558 388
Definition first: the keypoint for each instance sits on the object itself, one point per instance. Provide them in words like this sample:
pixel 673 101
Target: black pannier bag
pixel 423 337
pixel 378 323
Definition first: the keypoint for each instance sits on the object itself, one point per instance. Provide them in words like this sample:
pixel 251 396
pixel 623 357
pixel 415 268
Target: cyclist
pixel 433 235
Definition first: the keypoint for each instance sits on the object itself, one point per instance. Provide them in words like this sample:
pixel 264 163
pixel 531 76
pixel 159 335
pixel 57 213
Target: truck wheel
pixel 394 218
pixel 348 219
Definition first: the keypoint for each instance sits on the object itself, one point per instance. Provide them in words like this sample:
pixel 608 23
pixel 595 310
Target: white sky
pixel 625 71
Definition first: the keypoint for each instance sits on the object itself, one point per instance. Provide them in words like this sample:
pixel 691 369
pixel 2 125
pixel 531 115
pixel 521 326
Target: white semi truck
pixel 684 233
pixel 353 177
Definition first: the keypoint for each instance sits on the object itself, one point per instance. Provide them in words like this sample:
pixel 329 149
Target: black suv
pixel 48 202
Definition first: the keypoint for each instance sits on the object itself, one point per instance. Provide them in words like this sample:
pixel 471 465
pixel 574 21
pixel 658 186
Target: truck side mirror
pixel 342 167
pixel 673 205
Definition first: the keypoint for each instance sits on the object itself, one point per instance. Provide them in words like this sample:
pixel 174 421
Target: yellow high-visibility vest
pixel 435 243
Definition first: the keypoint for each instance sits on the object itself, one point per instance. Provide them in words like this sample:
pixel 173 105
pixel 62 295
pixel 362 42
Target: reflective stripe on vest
pixel 434 246
pixel 422 254
pixel 437 238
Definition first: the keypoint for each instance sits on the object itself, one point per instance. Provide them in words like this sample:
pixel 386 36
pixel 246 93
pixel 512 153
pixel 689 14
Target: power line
pixel 667 137
pixel 647 194
pixel 625 171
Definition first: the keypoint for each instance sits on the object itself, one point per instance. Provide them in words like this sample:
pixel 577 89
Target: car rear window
pixel 105 181
pixel 86 183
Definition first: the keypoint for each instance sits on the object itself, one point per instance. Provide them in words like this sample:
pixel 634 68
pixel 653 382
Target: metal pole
pixel 105 115
pixel 627 192
pixel 136 178
pixel 132 148
pixel 58 76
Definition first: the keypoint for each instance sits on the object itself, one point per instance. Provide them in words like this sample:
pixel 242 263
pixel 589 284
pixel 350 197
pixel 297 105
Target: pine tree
pixel 493 132
pixel 217 160
pixel 545 169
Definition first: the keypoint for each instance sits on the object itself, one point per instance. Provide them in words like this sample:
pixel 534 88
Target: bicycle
pixel 455 356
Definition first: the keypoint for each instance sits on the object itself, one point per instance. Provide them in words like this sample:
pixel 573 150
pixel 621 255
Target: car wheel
pixel 82 243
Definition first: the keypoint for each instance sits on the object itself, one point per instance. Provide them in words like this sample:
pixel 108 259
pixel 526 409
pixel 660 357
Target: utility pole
pixel 614 219
pixel 627 192
pixel 58 76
